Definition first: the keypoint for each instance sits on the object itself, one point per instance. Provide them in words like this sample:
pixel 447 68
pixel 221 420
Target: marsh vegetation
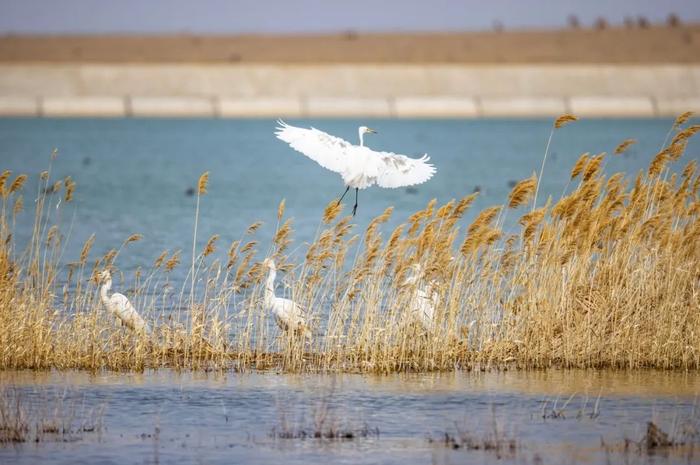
pixel 607 275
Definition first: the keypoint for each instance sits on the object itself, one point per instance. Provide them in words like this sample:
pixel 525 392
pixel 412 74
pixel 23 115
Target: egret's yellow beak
pixel 371 131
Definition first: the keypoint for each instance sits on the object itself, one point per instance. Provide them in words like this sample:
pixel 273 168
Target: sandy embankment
pixel 627 72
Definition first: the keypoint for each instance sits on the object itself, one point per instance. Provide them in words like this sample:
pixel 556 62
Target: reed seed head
pixel 253 227
pixel 86 249
pixel 3 179
pixel 70 189
pixel 18 183
pixel 624 145
pixel 682 118
pixel 579 165
pixel 211 245
pixel 685 134
pixel 173 261
pixel 331 211
pixel 563 120
pixel 522 192
pixel 203 183
pixel 133 238
pixel 280 209
pixel 19 205
pixel 593 166
pixel 160 259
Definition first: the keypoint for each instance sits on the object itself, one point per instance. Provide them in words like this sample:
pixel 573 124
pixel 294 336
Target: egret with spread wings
pixel 359 166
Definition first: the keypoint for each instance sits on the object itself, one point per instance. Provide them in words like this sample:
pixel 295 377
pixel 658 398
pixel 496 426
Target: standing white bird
pixel 120 306
pixel 359 166
pixel 423 300
pixel 288 314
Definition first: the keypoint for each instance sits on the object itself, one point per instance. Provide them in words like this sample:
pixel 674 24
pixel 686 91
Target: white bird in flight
pixel 120 306
pixel 423 300
pixel 288 314
pixel 359 166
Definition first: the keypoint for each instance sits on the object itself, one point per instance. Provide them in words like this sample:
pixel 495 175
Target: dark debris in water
pixel 496 444
pixel 329 433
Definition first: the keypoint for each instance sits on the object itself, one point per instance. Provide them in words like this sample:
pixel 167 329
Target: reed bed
pixel 608 275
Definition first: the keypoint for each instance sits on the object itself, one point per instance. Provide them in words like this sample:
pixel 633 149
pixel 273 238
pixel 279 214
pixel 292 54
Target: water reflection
pixel 556 415
pixel 642 383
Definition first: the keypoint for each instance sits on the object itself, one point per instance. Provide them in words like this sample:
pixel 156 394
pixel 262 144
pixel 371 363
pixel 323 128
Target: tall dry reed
pixel 608 275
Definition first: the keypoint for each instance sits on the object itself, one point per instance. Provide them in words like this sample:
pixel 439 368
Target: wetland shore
pixel 610 73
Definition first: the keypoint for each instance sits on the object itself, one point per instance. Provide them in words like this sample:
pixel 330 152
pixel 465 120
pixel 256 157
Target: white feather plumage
pixel 359 166
pixel 288 315
pixel 120 306
pixel 423 299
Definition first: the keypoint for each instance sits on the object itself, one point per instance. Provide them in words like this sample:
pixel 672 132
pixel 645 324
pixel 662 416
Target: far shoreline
pixel 611 45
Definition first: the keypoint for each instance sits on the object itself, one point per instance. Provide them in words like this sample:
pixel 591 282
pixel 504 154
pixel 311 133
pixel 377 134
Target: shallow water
pixel 221 418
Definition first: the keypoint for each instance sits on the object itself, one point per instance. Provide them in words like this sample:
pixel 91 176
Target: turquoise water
pixel 132 174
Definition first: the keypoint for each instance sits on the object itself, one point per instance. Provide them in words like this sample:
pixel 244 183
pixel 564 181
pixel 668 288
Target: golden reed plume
pixel 563 120
pixel 203 183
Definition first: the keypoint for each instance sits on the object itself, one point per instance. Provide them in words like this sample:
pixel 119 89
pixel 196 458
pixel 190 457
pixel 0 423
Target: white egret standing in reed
pixel 120 306
pixel 423 300
pixel 359 166
pixel 288 314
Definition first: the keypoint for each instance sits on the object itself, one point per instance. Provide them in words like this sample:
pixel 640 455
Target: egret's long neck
pixel 106 286
pixel 270 288
pixel 362 138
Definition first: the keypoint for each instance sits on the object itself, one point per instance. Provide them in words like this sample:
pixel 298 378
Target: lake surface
pixel 132 174
pixel 165 417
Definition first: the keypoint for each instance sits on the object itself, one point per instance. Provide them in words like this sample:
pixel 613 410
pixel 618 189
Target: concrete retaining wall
pixel 269 90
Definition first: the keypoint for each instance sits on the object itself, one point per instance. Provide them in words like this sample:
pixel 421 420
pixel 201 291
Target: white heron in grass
pixel 289 316
pixel 120 306
pixel 359 166
pixel 423 300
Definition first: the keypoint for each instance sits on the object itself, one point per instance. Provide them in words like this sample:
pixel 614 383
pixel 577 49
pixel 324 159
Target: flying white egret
pixel 359 166
pixel 120 306
pixel 424 299
pixel 288 314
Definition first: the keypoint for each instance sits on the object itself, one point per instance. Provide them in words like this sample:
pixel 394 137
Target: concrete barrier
pixel 347 106
pixel 522 106
pixel 84 106
pixel 435 107
pixel 349 80
pixel 674 107
pixel 352 90
pixel 171 106
pixel 19 106
pixel 607 106
pixel 260 107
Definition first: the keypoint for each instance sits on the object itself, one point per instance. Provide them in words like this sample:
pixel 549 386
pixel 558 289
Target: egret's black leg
pixel 354 209
pixel 342 196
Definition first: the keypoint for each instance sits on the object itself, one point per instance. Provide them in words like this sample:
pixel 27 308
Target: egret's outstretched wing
pixel 326 150
pixel 400 170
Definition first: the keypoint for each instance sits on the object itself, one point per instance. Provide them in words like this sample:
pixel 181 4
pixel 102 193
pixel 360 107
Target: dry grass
pixel 606 276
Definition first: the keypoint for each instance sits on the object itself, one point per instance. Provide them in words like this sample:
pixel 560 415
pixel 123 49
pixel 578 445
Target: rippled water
pixel 183 418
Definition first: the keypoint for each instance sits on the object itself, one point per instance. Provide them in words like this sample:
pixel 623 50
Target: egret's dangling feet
pixel 342 196
pixel 354 209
